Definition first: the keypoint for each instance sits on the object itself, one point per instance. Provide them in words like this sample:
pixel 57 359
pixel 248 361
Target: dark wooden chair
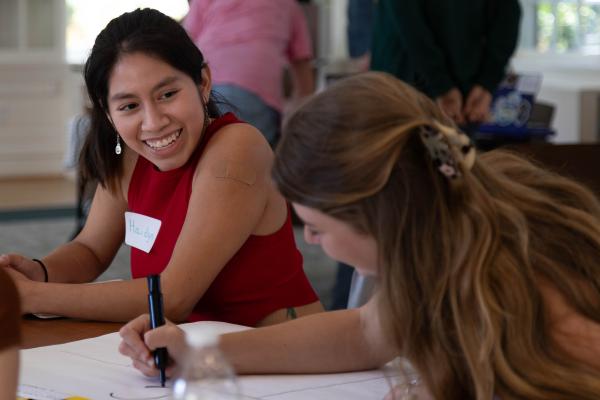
pixel 578 161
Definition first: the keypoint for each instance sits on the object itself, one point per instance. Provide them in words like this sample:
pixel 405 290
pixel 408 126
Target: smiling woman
pixel 154 107
pixel 194 182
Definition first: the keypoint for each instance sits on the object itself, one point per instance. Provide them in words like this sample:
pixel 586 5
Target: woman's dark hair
pixel 145 31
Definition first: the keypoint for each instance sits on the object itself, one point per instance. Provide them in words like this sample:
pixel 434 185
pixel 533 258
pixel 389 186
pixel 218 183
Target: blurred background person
pixel 359 31
pixel 248 44
pixel 455 51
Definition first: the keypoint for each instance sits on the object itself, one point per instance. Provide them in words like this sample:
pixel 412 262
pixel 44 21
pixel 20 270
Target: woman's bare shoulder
pixel 574 333
pixel 240 144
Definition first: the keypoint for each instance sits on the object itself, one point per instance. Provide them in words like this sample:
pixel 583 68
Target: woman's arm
pixel 73 265
pixel 87 255
pixel 303 78
pixel 348 340
pixel 338 341
pixel 93 249
pixel 108 301
pixel 228 203
pixel 81 260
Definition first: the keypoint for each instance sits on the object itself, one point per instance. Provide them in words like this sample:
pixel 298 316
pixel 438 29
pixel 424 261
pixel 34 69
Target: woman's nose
pixel 154 118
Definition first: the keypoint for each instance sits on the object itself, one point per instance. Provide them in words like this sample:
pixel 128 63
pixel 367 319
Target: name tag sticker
pixel 141 231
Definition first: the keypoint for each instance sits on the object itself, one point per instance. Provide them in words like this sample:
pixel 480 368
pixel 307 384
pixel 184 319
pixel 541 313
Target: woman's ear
pixel 206 84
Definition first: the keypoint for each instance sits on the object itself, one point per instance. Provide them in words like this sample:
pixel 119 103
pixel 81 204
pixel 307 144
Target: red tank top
pixel 265 274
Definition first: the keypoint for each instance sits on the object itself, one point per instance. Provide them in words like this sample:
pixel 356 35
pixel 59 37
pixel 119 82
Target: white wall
pixel 34 89
pixel 33 114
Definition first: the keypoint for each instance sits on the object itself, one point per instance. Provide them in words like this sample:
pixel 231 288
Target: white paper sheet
pixel 93 368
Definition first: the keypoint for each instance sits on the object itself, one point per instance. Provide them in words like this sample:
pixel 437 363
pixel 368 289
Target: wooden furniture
pixel 578 161
pixel 39 332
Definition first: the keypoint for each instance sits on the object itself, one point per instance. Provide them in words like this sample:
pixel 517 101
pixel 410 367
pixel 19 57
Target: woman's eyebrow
pixel 124 95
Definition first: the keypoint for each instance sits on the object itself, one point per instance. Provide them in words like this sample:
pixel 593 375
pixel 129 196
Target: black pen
pixel 157 318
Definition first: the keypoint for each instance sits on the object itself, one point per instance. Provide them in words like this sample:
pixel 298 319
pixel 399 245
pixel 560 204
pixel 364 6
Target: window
pixel 86 18
pixel 561 26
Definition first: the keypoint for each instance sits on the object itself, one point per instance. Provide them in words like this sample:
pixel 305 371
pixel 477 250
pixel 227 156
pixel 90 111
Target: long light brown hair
pixel 460 260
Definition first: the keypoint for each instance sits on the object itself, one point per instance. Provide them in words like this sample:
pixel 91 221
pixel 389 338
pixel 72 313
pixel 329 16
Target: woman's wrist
pixel 43 268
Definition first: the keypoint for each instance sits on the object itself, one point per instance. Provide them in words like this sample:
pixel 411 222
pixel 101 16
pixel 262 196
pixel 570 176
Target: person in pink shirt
pixel 248 44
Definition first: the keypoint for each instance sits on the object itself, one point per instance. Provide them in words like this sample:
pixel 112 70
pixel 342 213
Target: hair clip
pixel 439 140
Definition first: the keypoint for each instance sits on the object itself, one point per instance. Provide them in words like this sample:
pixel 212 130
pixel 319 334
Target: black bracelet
pixel 43 267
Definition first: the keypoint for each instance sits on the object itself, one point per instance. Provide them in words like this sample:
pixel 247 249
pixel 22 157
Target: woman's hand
pixel 25 273
pixel 451 104
pixel 29 268
pixel 24 286
pixel 477 106
pixel 138 342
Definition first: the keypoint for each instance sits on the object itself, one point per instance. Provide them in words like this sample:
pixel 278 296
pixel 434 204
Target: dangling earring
pixel 118 146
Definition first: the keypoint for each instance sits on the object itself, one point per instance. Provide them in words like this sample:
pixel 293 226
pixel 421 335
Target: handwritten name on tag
pixel 141 231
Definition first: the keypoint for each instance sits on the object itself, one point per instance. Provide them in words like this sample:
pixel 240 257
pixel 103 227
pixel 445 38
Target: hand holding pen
pixel 155 305
pixel 138 338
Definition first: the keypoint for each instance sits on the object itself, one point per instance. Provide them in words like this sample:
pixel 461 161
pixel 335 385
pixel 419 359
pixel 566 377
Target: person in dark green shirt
pixel 455 51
